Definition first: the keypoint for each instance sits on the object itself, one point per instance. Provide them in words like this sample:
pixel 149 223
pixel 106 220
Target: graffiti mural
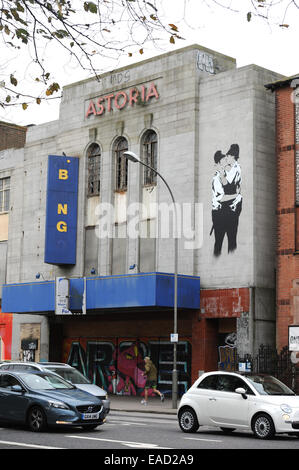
pixel 228 353
pixel 226 198
pixel 5 335
pixel 117 364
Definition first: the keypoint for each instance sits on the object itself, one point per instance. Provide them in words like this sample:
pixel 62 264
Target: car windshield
pixel 268 385
pixel 72 375
pixel 44 381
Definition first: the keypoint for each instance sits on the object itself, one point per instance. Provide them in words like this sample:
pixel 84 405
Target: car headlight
pixel 58 404
pixel 286 408
pixel 102 397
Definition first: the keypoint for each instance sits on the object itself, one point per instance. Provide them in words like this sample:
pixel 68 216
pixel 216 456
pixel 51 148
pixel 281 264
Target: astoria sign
pixel 119 100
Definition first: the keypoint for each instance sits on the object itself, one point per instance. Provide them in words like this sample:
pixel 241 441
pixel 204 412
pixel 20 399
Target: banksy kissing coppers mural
pixel 226 198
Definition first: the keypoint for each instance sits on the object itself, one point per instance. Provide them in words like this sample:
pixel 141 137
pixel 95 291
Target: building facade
pixel 208 128
pixel 287 148
pixel 16 331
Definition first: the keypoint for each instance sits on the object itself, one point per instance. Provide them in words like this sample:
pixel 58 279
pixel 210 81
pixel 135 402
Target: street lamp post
pixel 133 158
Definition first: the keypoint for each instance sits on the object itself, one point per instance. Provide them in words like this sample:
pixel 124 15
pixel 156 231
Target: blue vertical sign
pixel 61 212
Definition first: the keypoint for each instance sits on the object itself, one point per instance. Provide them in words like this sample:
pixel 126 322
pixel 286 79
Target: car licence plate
pixel 90 415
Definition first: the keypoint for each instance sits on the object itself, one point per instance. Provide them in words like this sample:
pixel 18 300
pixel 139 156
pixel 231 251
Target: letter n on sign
pixel 61 210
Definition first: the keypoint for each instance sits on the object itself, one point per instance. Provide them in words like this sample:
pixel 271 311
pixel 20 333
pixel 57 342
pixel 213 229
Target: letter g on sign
pixel 61 226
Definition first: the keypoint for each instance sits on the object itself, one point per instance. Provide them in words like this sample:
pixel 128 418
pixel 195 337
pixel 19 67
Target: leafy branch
pixel 85 31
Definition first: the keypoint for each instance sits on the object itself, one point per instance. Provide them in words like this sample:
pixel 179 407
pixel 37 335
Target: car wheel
pixel 36 419
pixel 188 420
pixel 228 430
pixel 263 426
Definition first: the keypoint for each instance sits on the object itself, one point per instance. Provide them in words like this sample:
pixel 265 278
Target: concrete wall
pixel 10 162
pixel 173 116
pixel 235 108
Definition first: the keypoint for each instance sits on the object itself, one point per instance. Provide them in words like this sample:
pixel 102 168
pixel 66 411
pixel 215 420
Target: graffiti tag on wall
pixel 228 353
pixel 205 62
pixel 118 365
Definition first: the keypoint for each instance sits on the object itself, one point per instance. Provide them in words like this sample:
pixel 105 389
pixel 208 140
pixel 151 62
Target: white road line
pixel 201 439
pixel 128 423
pixel 22 444
pixel 125 443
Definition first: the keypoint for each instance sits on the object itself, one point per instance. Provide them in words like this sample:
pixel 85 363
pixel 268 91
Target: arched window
pixel 94 169
pixel 121 164
pixel 149 156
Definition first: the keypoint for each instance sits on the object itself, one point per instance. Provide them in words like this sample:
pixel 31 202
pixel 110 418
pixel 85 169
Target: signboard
pixel 102 105
pixel 294 338
pixel 62 296
pixel 61 211
pixel 174 337
pixel 244 366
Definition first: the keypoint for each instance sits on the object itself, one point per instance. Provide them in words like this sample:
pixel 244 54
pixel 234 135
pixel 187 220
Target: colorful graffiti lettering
pixel 118 365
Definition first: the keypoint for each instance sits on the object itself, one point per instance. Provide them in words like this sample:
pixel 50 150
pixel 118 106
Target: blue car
pixel 41 399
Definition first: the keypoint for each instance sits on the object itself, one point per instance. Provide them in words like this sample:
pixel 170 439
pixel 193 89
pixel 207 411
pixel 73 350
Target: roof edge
pixel 281 83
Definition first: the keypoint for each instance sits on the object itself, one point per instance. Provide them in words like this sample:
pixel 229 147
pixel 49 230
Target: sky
pixel 202 22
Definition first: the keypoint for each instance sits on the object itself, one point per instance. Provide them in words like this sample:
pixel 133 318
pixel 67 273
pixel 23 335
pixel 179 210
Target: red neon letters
pixel 119 100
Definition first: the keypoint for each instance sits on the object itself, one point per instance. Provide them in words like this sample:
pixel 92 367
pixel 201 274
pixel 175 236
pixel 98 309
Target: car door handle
pixel 212 399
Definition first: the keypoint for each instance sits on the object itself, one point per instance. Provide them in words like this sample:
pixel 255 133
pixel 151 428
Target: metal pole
pixel 135 159
pixel 175 319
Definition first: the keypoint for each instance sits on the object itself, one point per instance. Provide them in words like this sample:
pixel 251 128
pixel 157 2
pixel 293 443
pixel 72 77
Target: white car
pixel 229 401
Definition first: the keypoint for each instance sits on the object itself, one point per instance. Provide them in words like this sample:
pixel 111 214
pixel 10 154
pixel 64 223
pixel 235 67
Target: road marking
pixel 200 439
pixel 22 444
pixel 129 423
pixel 125 443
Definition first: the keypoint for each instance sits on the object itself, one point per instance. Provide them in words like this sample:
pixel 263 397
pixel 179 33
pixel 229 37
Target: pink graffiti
pixel 129 372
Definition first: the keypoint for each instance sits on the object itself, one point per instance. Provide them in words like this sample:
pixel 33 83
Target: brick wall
pixel 287 260
pixel 224 303
pixel 12 136
pixel 215 304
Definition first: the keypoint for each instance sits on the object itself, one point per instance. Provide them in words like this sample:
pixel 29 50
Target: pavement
pixel 133 404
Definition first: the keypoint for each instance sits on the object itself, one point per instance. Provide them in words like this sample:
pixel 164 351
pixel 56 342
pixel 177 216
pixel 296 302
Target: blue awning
pixel 105 292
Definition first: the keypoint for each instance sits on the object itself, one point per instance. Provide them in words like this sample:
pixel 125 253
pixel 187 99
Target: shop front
pixel 127 318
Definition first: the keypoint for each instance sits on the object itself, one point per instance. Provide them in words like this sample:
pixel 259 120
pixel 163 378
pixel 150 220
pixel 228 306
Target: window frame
pixel 149 146
pixel 217 377
pixel 4 204
pixel 121 165
pixel 93 153
pixel 248 389
pixel 12 378
pixel 213 378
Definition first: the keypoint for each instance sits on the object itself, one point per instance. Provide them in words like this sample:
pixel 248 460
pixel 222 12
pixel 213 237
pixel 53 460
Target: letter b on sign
pixel 63 174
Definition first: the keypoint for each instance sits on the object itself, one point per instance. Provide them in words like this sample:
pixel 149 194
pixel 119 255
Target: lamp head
pixel 131 156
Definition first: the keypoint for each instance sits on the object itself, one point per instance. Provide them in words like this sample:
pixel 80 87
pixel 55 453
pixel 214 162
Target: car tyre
pixel 37 419
pixel 228 430
pixel 263 426
pixel 188 420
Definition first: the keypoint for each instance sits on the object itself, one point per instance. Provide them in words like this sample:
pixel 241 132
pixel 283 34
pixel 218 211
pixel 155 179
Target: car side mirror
pixel 242 392
pixel 16 388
